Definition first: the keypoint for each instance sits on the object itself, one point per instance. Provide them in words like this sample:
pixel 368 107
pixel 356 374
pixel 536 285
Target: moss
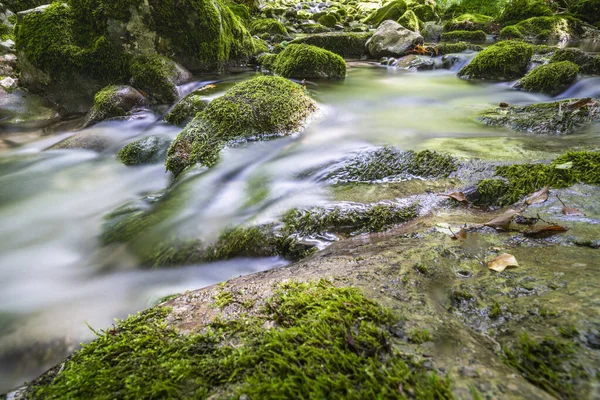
pixel 150 149
pixel 22 5
pixel 410 21
pixel 547 363
pixel 305 61
pixel 506 60
pixel 328 20
pixel 464 36
pixel 573 55
pixel 155 75
pixel 551 79
pixel 314 28
pixel 510 32
pixel 260 46
pixel 563 28
pixel 420 336
pixel 326 342
pixel 267 61
pixel 592 67
pixel 521 180
pixel 259 108
pixel 241 10
pixel 449 48
pixel 518 10
pixel 223 299
pixel 344 44
pixel 349 219
pixel 388 163
pixel 185 111
pixel 495 311
pixel 392 10
pixel 105 103
pixel 426 12
pixel 559 117
pixel 587 10
pixel 270 26
pixel 470 22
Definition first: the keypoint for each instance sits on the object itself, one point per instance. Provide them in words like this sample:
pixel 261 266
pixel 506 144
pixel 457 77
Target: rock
pixel 9 83
pixel 7 46
pixel 556 28
pixel 470 22
pixel 432 31
pixel 261 107
pixel 303 61
pixel 410 21
pixel 465 36
pixel 573 55
pixel 348 44
pixel 158 76
pixel 450 48
pixel 426 13
pixel 391 11
pixel 114 101
pixel 392 40
pixel 21 107
pixel 502 61
pixel 6 17
pixel 150 149
pixel 185 111
pixel 270 26
pixel 415 62
pixel 87 140
pixel 551 79
pixel 560 117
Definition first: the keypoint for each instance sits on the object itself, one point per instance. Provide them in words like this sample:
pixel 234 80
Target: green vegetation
pixel 267 61
pixel 106 104
pixel 551 27
pixel 464 36
pixel 410 21
pixel 426 12
pixel 420 336
pixel 587 10
pixel 305 61
pixel 575 56
pixel 392 10
pixel 449 48
pixel 185 111
pixel 270 26
pixel 150 149
pixel 344 44
pixel 21 5
pixel 519 10
pixel 327 342
pixel 328 20
pixel 510 32
pixel 470 22
pixel 502 61
pixel 157 75
pixel 261 107
pixel 551 78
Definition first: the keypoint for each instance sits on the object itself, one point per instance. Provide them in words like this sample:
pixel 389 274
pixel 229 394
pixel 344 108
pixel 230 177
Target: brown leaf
pixel 461 235
pixel 504 105
pixel 566 210
pixel 545 231
pixel 502 262
pixel 458 196
pixel 539 197
pixel 504 220
pixel 579 103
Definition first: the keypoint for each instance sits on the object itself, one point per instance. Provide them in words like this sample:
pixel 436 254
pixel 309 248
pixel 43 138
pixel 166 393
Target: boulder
pixel 551 79
pixel 158 76
pixel 503 61
pixel 347 44
pixel 432 31
pixel 19 107
pixel 302 61
pixel 114 101
pixel 392 40
pixel 415 62
pixel 150 149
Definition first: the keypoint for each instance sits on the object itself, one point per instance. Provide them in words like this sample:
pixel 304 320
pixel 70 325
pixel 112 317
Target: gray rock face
pixel 392 40
pixel 432 31
pixel 24 108
pixel 414 62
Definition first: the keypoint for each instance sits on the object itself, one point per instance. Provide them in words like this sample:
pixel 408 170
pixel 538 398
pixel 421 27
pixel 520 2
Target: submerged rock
pixel 551 79
pixel 302 61
pixel 259 108
pixel 114 101
pixel 150 149
pixel 502 61
pixel 392 40
pixel 415 62
pixel 560 117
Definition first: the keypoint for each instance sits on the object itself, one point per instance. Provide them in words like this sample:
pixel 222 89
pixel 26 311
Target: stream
pixel 56 278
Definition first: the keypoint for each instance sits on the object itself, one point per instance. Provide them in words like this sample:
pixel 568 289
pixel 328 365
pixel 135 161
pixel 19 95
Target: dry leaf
pixel 545 231
pixel 504 220
pixel 502 262
pixel 458 196
pixel 461 235
pixel 566 210
pixel 539 197
pixel 579 103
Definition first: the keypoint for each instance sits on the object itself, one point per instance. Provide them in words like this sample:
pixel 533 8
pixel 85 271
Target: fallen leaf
pixel 567 165
pixel 545 231
pixel 504 220
pixel 566 210
pixel 461 235
pixel 539 197
pixel 458 196
pixel 504 105
pixel 502 262
pixel 579 103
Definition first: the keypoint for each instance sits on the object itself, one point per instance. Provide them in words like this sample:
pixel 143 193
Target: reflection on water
pixel 54 275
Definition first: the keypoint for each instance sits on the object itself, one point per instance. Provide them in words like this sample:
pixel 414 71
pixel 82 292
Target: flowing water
pixel 55 277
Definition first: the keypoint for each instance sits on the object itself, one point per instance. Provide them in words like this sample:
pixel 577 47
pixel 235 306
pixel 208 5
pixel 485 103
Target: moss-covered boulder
pixel 267 61
pixel 328 20
pixel 449 48
pixel 587 10
pixel 502 61
pixel 464 36
pixel 558 27
pixel 551 79
pixel 573 55
pixel 510 32
pixel 304 61
pixel 151 149
pixel 259 108
pixel 392 40
pixel 185 111
pixel 470 22
pixel 409 20
pixel 270 26
pixel 559 118
pixel 22 5
pixel 426 12
pixel 114 101
pixel 347 44
pixel 592 67
pixel 516 11
pixel 391 11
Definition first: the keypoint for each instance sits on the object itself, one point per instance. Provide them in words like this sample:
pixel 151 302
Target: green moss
pixel 464 36
pixel 344 44
pixel 592 67
pixel 546 363
pixel 105 104
pixel 510 32
pixel 562 28
pixel 155 75
pixel 22 5
pixel 185 111
pixel 327 342
pixel 349 219
pixel 449 48
pixel 495 311
pixel 420 336
pixel 392 10
pixel 223 299
pixel 241 10
pixel 260 46
pixel 388 163
pixel 314 28
pixel 470 22
pixel 328 20
pixel 267 61
pixel 518 10
pixel 305 61
pixel 410 21
pixel 426 12
pixel 270 26
pixel 573 55
pixel 551 78
pixel 506 60
pixel 261 107
pixel 521 180
pixel 587 10
pixel 150 149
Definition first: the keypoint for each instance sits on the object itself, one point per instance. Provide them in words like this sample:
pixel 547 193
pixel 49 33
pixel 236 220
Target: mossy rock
pixel 158 76
pixel 391 11
pixel 560 117
pixel 259 108
pixel 151 149
pixel 592 67
pixel 270 26
pixel 22 5
pixel 510 32
pixel 470 22
pixel 503 61
pixel 187 109
pixel 409 20
pixel 551 79
pixel 113 102
pixel 426 12
pixel 303 61
pixel 450 48
pixel 587 10
pixel 267 61
pixel 328 20
pixel 573 55
pixel 314 28
pixel 561 28
pixel 464 36
pixel 516 11
pixel 348 44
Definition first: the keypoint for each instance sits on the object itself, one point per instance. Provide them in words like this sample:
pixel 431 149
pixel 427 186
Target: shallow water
pixel 54 275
